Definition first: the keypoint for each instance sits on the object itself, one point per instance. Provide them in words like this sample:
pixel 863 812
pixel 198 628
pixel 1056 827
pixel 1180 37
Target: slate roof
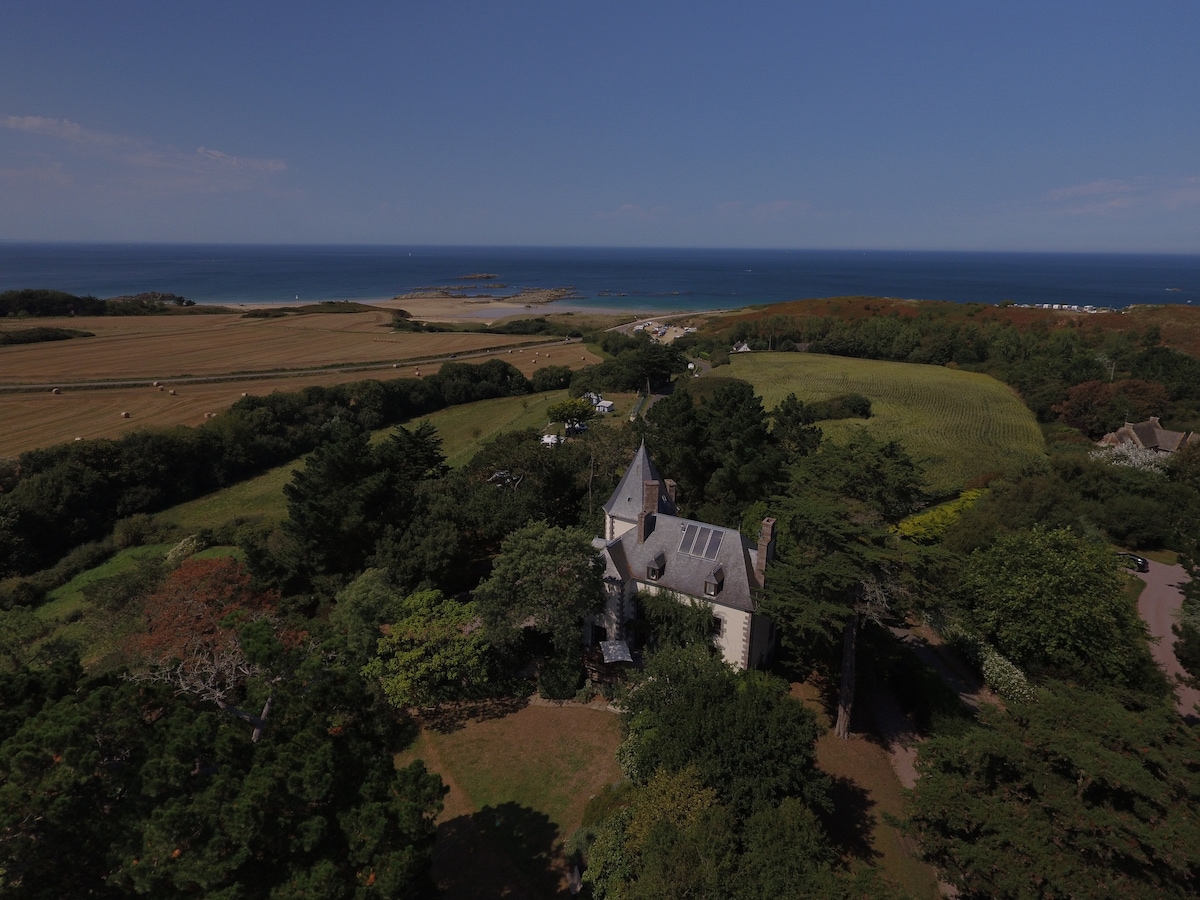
pixel 684 572
pixel 1150 435
pixel 626 501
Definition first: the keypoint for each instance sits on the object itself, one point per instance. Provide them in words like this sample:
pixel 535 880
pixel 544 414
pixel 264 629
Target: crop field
pixel 957 425
pixel 162 347
pixel 151 348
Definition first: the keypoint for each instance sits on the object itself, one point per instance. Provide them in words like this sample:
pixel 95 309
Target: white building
pixel 646 547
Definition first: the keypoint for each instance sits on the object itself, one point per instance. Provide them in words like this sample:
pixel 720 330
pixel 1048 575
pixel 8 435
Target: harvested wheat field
pixel 158 347
pixel 141 349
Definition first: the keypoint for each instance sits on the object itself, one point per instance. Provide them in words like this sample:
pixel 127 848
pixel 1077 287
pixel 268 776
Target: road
pixel 1158 605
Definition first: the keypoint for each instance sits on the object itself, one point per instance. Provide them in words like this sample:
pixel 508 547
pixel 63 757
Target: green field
pixel 463 430
pixel 957 425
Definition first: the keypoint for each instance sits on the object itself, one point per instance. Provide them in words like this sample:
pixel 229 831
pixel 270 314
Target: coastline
pixel 474 309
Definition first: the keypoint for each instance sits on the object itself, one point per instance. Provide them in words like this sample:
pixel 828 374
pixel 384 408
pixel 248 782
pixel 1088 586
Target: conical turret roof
pixel 626 501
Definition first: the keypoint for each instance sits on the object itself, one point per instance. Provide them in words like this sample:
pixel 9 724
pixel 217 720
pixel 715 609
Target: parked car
pixel 1133 561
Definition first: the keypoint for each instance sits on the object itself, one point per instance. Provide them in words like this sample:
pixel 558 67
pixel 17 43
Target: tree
pixel 793 428
pixel 550 378
pixel 1185 478
pixel 1053 602
pixel 115 788
pixel 545 581
pixel 203 624
pixel 1097 407
pixel 431 653
pixel 349 493
pixel 648 849
pixel 838 566
pixel 745 737
pixel 572 412
pixel 721 453
pixel 1074 795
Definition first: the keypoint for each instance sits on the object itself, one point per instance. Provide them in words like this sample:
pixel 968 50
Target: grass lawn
pixel 464 429
pixel 258 499
pixel 863 774
pixel 957 425
pixel 63 601
pixel 518 787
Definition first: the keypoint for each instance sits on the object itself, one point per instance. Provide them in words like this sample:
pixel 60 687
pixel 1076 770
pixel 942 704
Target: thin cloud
pixel 205 169
pixel 1114 196
pixel 633 212
pixel 52 176
pixel 772 211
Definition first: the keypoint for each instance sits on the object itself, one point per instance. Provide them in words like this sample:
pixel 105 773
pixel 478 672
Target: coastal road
pixel 1158 606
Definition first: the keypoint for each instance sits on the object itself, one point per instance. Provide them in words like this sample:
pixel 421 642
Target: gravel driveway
pixel 1158 604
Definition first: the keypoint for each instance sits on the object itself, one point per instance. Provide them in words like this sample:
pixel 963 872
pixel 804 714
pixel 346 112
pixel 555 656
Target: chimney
pixel 766 550
pixel 650 497
pixel 671 489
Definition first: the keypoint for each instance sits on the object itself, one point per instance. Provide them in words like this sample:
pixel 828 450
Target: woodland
pixel 238 740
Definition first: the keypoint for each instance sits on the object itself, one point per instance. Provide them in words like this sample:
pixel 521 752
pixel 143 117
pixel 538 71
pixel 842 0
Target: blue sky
pixel 927 125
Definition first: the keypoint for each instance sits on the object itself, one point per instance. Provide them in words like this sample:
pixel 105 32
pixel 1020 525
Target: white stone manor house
pixel 646 547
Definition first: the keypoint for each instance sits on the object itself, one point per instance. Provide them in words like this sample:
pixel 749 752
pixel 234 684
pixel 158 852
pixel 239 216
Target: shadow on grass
pixel 850 825
pixel 507 850
pixel 453 717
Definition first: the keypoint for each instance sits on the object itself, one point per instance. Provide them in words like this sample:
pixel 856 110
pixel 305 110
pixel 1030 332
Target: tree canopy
pixel 1076 795
pixel 1053 602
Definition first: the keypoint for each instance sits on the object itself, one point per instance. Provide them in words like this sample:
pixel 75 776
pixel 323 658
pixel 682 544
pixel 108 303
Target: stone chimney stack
pixel 645 523
pixel 671 490
pixel 766 550
pixel 650 497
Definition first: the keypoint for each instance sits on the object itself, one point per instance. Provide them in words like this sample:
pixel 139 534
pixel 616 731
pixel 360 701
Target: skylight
pixel 701 541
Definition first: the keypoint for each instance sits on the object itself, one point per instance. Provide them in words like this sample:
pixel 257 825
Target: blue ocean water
pixel 647 280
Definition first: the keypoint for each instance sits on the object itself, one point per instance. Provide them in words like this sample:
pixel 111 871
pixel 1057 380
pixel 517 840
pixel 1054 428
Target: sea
pixel 643 280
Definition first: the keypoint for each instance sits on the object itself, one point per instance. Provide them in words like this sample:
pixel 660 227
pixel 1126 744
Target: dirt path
pixel 1158 606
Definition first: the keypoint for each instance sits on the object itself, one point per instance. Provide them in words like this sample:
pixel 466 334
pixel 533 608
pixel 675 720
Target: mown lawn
pixel 957 425
pixel 518 787
pixel 258 499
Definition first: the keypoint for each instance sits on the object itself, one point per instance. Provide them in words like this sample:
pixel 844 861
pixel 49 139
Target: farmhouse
pixel 646 547
pixel 1150 435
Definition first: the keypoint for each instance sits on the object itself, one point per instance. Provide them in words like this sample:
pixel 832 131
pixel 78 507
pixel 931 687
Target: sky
pixel 930 124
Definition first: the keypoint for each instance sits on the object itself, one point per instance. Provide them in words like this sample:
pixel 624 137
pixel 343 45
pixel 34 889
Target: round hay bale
pixel 56 390
pixel 124 415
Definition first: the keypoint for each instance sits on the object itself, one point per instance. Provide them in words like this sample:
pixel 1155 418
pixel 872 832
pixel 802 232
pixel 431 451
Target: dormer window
pixel 714 582
pixel 655 568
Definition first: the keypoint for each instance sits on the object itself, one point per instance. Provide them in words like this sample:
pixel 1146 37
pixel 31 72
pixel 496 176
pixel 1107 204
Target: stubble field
pixel 261 355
